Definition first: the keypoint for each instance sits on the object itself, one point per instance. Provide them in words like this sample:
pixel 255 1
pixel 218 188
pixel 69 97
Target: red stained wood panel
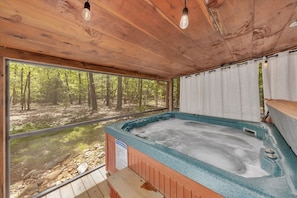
pixel 110 154
pixel 167 181
pixel 167 186
pixel 173 188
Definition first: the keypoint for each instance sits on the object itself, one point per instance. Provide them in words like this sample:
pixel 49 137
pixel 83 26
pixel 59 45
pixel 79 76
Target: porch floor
pixel 92 185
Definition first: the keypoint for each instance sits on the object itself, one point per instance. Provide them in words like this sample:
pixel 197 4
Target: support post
pixel 2 130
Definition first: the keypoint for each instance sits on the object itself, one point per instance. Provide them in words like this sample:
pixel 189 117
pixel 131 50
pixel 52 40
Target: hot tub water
pixel 224 147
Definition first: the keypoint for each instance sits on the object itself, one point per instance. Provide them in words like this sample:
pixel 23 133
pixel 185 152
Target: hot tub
pixel 181 174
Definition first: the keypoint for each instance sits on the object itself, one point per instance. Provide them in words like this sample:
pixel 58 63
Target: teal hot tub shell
pixel 282 166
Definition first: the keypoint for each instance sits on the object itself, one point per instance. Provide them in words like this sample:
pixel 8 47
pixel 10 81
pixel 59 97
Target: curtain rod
pixel 227 65
pixel 243 63
pixel 272 56
pixel 257 59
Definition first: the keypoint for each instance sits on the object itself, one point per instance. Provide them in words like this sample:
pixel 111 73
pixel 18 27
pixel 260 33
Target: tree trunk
pixel 89 92
pixel 79 88
pixel 126 88
pixel 107 90
pixel 29 90
pixel 14 96
pixel 140 92
pixel 22 88
pixel 177 92
pixel 120 93
pixel 156 93
pixel 147 93
pixel 14 92
pixel 68 88
pixel 55 92
pixel 92 92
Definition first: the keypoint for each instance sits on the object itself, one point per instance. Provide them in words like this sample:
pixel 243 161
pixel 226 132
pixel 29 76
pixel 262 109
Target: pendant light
pixel 86 13
pixel 293 24
pixel 265 62
pixel 184 21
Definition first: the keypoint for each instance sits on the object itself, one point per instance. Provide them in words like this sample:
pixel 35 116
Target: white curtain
pixel 279 76
pixel 249 91
pixel 230 92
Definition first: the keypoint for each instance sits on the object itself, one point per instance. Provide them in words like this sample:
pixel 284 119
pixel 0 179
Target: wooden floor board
pixel 54 194
pixel 78 187
pixel 104 188
pixel 103 172
pixel 95 192
pixel 97 176
pixel 66 191
pixel 83 195
pixel 92 185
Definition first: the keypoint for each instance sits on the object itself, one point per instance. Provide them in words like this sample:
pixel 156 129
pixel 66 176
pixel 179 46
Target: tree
pixel 92 92
pixel 139 92
pixel 68 88
pixel 79 88
pixel 29 90
pixel 107 90
pixel 120 93
pixel 156 93
pixel 14 92
pixel 22 89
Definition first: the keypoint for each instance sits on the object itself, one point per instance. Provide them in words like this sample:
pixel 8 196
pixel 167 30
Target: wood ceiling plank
pixel 95 47
pixel 235 21
pixel 21 12
pixel 144 36
pixel 148 18
pixel 115 26
pixel 19 41
pixel 52 60
pixel 271 18
pixel 288 35
pixel 204 32
pixel 63 49
pixel 77 29
pixel 136 67
pixel 108 42
pixel 200 29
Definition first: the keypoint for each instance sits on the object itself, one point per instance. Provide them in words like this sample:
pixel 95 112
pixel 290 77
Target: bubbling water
pixel 224 147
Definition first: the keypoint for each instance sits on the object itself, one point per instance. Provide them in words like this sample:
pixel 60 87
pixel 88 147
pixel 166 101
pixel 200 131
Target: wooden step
pixel 128 184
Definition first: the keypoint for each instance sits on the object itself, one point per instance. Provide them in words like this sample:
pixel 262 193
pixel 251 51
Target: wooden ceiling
pixel 143 36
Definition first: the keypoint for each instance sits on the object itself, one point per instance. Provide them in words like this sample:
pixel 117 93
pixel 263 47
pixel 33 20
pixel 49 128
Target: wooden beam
pixel 2 126
pixel 71 64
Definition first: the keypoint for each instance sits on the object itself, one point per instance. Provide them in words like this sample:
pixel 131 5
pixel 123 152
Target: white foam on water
pixel 224 147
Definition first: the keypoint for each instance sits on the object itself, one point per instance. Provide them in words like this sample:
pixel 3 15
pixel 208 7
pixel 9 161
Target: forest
pixel 49 97
pixel 39 88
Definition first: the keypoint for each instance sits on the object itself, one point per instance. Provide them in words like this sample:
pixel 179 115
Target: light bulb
pixel 293 24
pixel 184 21
pixel 86 13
